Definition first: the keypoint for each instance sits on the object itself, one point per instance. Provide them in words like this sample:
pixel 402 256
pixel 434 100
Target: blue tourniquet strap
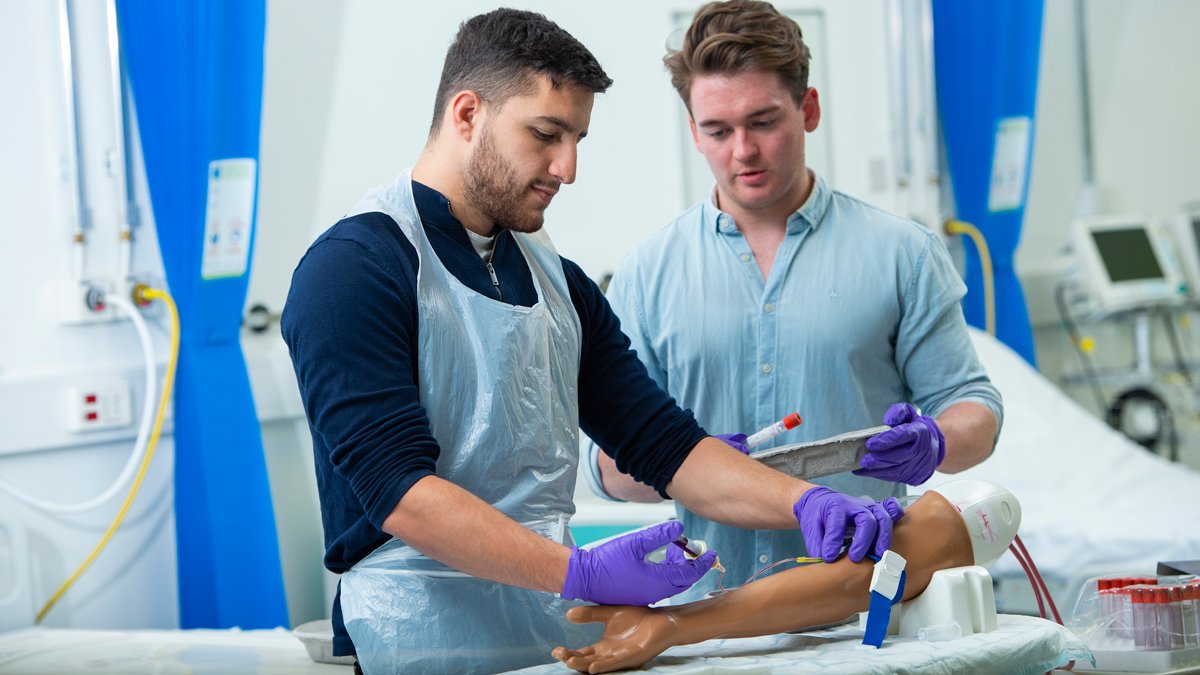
pixel 879 614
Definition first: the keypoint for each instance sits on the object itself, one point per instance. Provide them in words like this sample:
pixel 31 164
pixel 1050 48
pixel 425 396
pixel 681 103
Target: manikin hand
pixel 826 517
pixel 909 452
pixel 632 636
pixel 617 572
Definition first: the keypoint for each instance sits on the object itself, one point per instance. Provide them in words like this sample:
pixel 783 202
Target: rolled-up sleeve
pixel 620 406
pixel 933 346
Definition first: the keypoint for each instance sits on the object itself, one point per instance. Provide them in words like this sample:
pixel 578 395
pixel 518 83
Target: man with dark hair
pixel 777 294
pixel 447 357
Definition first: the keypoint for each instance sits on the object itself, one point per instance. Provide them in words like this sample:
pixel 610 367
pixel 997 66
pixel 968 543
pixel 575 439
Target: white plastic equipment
pixel 1185 228
pixel 960 601
pixel 1125 263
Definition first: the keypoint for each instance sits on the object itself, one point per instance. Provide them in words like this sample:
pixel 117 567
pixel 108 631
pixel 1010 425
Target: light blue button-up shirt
pixel 860 310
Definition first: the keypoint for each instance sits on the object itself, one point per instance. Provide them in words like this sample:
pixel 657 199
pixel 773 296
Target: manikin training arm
pixel 931 537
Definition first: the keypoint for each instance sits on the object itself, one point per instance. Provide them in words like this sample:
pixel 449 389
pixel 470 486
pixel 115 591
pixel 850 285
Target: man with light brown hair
pixel 776 294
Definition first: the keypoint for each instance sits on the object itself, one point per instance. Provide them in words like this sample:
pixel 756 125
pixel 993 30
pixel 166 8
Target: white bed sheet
pixel 1093 502
pixel 1020 644
pixel 64 651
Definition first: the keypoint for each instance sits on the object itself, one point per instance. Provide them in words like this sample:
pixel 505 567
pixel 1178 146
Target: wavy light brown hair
pixel 740 36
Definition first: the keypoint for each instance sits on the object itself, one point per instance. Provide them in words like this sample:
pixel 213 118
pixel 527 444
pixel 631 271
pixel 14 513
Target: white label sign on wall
pixel 228 217
pixel 1010 164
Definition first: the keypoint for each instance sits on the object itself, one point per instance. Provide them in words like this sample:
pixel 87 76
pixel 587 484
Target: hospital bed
pixel 1020 644
pixel 1093 502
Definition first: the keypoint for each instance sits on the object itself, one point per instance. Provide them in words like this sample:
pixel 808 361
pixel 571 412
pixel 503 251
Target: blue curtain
pixel 195 68
pixel 986 66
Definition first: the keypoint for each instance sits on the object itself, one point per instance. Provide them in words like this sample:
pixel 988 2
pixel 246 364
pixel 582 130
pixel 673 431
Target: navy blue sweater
pixel 350 324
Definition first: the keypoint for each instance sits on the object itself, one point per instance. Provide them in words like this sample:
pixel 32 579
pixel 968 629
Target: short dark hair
pixel 740 36
pixel 498 55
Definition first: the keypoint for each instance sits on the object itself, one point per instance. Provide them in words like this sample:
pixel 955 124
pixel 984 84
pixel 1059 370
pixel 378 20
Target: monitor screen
pixel 1127 254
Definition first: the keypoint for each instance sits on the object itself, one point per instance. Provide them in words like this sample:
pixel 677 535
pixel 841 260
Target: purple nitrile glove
pixel 909 452
pixel 825 516
pixel 735 441
pixel 617 572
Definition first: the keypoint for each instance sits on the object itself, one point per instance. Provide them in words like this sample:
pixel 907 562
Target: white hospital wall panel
pixel 132 583
pixel 386 60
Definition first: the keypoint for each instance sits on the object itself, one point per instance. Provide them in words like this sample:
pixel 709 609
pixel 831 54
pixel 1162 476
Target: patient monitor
pixel 1185 227
pixel 1126 264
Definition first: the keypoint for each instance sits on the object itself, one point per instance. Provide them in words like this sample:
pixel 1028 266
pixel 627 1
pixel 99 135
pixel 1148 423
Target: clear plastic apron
pixel 500 386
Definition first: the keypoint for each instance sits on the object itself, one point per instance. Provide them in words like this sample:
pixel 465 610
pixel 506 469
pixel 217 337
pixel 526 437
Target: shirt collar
pixel 810 214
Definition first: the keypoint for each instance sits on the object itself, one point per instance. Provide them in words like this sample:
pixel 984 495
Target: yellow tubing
pixel 985 261
pixel 141 295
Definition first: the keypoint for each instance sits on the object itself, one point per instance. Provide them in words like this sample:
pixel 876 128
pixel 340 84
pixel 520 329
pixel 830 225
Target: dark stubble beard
pixel 493 188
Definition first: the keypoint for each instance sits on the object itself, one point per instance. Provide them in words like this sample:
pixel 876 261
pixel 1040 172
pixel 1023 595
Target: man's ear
pixel 811 106
pixel 465 111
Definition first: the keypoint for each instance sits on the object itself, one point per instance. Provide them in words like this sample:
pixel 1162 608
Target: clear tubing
pixel 1038 575
pixel 1037 591
pixel 139 448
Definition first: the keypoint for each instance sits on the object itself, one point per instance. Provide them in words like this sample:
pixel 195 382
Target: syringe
pixel 771 431
pixel 684 543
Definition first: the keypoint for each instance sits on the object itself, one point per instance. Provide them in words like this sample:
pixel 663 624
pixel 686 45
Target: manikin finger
pixel 590 613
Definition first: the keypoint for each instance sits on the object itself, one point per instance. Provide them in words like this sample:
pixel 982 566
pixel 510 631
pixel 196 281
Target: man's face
pixel 751 132
pixel 524 151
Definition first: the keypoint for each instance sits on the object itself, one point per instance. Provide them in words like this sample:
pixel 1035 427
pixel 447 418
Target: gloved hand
pixel 825 516
pixel 617 572
pixel 909 452
pixel 735 441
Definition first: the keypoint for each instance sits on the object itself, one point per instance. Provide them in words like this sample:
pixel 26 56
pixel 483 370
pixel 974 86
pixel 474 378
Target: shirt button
pixel 762 558
pixel 745 258
pixel 767 368
pixel 768 308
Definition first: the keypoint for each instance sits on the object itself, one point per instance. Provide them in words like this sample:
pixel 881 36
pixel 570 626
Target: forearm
pixel 970 431
pixel 454 527
pixel 931 537
pixel 724 485
pixel 622 485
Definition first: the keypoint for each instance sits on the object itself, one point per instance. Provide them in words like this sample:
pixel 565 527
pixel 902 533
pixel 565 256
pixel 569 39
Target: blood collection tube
pixel 1104 596
pixel 685 544
pixel 1125 613
pixel 1186 618
pixel 1140 616
pixel 771 431
pixel 1193 593
pixel 1175 599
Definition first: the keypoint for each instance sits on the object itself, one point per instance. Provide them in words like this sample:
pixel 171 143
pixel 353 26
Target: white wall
pixel 132 583
pixel 1141 60
pixel 350 108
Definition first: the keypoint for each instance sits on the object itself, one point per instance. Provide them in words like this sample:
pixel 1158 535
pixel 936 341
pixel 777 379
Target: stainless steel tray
pixel 820 458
